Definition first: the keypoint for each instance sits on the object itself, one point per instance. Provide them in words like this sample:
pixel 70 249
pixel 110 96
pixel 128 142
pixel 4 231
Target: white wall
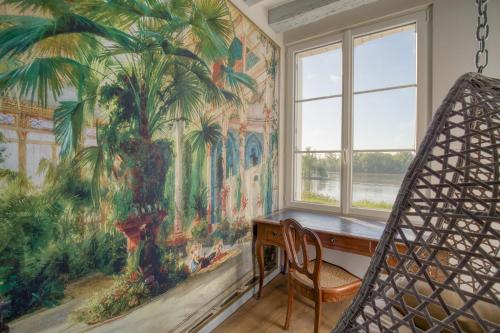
pixel 454 43
pixel 354 263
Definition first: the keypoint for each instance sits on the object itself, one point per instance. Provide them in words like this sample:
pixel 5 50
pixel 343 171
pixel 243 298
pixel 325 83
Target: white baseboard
pixel 210 326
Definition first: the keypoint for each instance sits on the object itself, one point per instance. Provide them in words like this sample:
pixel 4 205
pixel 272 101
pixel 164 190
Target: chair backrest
pixel 447 216
pixel 296 240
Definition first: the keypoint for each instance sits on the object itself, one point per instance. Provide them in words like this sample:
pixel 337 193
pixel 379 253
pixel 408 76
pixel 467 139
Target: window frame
pixel 346 37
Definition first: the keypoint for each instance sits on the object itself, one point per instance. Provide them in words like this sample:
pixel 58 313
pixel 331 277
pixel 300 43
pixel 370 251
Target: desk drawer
pixel 347 244
pixel 273 234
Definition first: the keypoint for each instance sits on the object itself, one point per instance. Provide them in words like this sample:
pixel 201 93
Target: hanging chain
pixel 482 32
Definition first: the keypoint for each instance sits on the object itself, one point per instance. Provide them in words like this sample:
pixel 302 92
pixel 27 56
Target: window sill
pixel 365 215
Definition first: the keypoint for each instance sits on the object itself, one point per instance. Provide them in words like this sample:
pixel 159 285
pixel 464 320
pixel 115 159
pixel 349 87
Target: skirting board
pixel 210 326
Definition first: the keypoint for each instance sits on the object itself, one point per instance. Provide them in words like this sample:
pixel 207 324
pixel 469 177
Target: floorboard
pixel 268 314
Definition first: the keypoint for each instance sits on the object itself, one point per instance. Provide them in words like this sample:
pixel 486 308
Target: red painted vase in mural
pixel 133 225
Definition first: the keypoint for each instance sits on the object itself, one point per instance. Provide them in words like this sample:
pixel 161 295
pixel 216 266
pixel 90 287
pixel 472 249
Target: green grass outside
pixel 322 199
pixel 318 198
pixel 382 205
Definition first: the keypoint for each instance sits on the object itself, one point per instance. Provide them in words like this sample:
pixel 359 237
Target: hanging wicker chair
pixel 436 268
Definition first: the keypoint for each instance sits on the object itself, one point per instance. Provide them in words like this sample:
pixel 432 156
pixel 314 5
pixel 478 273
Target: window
pixel 318 114
pixel 384 114
pixel 354 135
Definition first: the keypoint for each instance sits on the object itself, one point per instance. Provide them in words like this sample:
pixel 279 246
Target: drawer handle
pixel 332 241
pixel 274 233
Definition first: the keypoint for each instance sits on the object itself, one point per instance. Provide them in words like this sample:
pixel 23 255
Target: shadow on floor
pixel 267 315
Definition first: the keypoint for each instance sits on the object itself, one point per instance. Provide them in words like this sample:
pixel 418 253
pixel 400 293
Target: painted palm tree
pixel 138 69
pixel 223 75
pixel 206 133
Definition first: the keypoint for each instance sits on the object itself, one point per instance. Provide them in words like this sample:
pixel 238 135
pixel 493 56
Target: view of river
pixel 366 186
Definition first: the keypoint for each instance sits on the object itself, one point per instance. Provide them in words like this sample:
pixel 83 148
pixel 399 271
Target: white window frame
pixel 421 19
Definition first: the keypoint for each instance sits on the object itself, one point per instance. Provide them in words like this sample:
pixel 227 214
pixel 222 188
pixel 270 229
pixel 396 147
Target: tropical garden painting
pixel 137 140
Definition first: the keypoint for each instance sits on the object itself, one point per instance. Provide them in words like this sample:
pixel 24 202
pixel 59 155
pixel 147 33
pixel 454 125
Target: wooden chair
pixel 311 277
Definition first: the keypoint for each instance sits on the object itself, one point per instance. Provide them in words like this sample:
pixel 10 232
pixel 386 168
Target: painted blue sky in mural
pixel 382 120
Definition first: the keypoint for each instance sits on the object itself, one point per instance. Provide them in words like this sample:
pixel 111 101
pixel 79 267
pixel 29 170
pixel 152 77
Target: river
pixel 366 186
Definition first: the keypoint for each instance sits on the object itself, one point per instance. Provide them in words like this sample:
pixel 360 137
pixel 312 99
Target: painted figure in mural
pixel 197 260
pixel 127 146
pixel 215 253
pixel 195 255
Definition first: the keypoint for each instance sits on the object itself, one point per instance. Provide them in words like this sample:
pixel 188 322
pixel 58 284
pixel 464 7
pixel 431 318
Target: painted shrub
pixel 139 138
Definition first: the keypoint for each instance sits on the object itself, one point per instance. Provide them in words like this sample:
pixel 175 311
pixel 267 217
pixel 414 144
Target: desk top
pixel 327 223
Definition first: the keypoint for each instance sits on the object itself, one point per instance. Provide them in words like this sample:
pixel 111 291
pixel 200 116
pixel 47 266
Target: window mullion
pixel 347 61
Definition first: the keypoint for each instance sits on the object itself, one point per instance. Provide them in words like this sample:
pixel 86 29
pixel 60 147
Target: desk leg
pixel 259 248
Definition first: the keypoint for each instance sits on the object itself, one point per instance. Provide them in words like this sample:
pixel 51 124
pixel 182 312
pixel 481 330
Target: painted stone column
pixel 267 162
pixel 22 135
pixel 209 184
pixel 54 153
pixel 224 190
pixel 178 179
pixel 242 144
pixel 242 138
pixel 267 117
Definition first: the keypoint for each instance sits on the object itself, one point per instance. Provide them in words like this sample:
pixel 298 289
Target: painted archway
pixel 216 181
pixel 253 150
pixel 232 155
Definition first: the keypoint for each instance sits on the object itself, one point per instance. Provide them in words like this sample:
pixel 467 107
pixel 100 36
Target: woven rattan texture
pixel 446 222
pixel 331 276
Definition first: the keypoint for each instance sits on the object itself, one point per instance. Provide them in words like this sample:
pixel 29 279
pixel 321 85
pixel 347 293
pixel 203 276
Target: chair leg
pixel 290 303
pixel 317 313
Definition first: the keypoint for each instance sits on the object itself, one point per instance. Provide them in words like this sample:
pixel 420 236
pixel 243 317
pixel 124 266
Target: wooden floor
pixel 268 314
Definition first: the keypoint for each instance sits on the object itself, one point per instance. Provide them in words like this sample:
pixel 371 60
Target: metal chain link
pixel 482 32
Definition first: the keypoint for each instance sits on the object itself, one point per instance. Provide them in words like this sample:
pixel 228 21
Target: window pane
pixel 319 124
pixel 10 148
pixel 317 178
pixel 385 59
pixel 35 153
pixel 376 178
pixel 36 136
pixel 319 72
pixel 10 156
pixel 385 120
pixel 9 134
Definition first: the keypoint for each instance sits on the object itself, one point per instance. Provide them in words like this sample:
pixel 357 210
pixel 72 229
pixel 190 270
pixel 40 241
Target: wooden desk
pixel 336 232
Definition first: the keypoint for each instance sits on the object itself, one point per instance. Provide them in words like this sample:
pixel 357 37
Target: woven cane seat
pixel 331 277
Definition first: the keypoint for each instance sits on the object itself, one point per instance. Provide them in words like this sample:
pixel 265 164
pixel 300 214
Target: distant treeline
pixel 319 165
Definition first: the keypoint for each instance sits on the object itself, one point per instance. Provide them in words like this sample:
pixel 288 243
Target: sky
pixel 381 120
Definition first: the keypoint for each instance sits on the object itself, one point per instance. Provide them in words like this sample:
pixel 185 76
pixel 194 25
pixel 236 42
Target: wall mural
pixel 138 139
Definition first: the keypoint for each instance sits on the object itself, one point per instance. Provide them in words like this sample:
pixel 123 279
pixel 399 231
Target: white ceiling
pixel 284 15
pixel 267 3
pixel 274 3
